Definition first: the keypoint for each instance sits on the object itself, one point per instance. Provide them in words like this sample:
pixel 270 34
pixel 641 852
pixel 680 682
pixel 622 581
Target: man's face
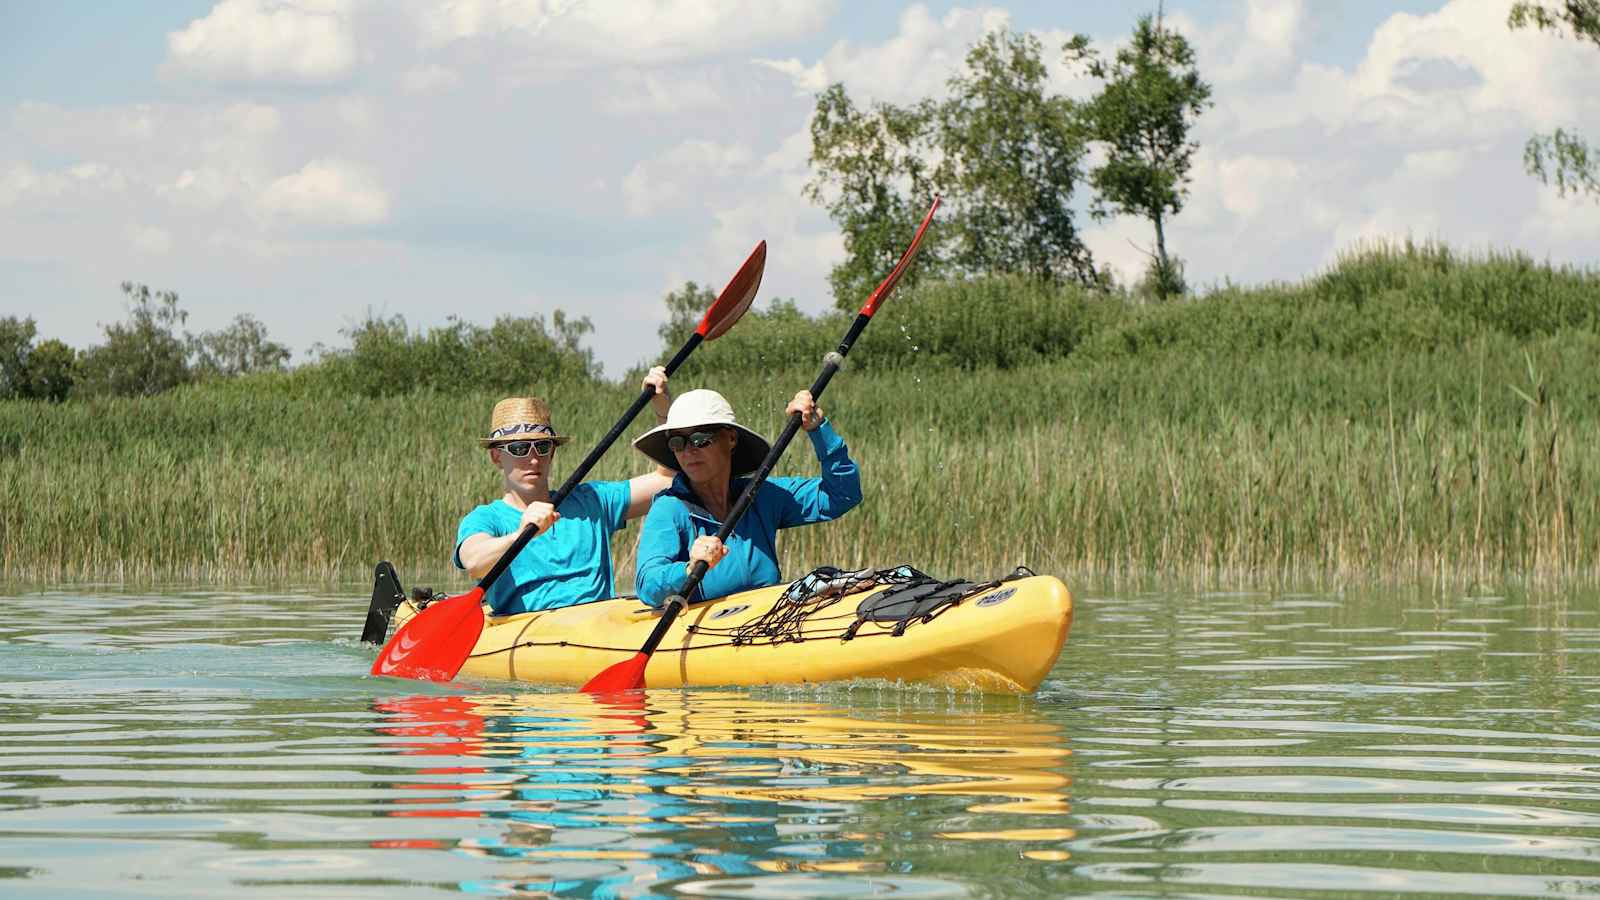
pixel 521 463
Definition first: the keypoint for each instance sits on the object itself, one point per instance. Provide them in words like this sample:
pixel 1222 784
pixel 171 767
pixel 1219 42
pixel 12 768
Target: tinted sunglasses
pixel 698 440
pixel 520 449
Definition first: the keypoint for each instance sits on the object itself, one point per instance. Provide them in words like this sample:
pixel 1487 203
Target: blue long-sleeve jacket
pixel 676 518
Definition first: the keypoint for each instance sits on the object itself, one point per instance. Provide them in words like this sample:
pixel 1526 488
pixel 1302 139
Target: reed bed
pixel 1478 464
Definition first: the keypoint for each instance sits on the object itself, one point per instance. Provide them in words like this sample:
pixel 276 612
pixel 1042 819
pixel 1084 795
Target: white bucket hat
pixel 693 410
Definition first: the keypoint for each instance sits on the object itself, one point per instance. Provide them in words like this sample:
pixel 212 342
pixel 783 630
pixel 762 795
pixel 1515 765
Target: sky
pixel 313 162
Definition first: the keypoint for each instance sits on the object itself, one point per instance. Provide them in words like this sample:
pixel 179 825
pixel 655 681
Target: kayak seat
pixel 920 599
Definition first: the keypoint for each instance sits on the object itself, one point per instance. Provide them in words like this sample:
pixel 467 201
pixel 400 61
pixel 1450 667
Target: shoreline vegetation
pixel 1408 415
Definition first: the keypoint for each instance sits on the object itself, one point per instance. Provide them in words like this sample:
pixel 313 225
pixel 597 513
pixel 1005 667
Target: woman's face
pixel 708 464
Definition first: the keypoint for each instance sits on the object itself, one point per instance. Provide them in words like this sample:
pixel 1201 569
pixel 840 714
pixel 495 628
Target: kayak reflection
pixel 607 795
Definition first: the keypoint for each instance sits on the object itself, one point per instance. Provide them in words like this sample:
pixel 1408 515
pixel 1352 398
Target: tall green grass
pixel 1281 467
pixel 1401 417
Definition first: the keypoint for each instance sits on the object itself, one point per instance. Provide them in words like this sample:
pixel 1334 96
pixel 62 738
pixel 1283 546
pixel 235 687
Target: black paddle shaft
pixel 830 365
pixel 577 476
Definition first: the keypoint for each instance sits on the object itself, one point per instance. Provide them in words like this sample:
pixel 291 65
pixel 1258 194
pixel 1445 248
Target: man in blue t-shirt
pixel 569 562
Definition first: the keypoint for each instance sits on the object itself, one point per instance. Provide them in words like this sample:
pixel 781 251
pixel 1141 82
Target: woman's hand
pixel 662 401
pixel 541 516
pixel 810 413
pixel 707 549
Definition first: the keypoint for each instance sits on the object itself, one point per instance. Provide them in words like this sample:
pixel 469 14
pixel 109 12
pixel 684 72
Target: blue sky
pixel 309 161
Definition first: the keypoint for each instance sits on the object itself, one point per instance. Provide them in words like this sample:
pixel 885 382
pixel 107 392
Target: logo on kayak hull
pixel 997 598
pixel 732 610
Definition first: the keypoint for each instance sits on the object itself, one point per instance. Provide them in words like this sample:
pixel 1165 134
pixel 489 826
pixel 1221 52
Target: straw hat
pixel 695 409
pixel 521 419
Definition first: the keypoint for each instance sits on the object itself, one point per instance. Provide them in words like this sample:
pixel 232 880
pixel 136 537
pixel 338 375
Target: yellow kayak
pixel 997 637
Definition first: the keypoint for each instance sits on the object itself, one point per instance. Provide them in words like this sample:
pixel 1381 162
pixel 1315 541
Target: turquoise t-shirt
pixel 676 518
pixel 567 565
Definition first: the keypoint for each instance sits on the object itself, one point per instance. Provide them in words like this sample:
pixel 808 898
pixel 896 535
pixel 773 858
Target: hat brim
pixel 496 442
pixel 747 454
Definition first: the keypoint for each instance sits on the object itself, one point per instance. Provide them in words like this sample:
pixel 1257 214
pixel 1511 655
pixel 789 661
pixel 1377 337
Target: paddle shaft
pixel 831 365
pixel 576 478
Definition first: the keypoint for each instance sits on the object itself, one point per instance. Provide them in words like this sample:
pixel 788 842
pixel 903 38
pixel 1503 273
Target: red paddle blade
pixel 627 675
pixel 436 642
pixel 736 297
pixel 893 278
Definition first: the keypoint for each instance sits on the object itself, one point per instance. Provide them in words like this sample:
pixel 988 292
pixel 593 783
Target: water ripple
pixel 210 743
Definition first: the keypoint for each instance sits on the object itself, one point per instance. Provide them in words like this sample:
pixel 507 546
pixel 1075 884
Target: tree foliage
pixel 29 371
pixel 515 354
pixel 239 349
pixel 869 169
pixel 1009 157
pixel 1006 154
pixel 1152 96
pixel 1562 156
pixel 1012 158
pixel 52 371
pixel 143 356
pixel 147 354
pixel 685 306
pixel 16 344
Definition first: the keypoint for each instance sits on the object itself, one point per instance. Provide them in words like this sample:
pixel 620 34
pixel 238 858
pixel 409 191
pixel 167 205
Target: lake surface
pixel 201 743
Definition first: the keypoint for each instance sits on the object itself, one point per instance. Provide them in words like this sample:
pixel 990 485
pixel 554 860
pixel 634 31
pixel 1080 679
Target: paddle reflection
pixel 611 794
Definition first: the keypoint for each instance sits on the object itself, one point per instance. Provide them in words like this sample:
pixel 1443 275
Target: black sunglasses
pixel 698 440
pixel 520 449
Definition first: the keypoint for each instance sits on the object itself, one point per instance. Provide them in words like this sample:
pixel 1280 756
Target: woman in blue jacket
pixel 708 449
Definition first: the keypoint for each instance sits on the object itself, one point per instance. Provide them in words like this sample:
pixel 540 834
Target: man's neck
pixel 521 499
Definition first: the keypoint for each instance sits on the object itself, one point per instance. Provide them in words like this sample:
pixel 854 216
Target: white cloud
pixel 430 79
pixel 1248 51
pixel 635 92
pixel 18 180
pixel 913 64
pixel 21 182
pixel 456 20
pixel 266 41
pixel 1561 221
pixel 328 192
pixel 203 189
pixel 1435 165
pixel 1249 184
pixel 1125 244
pixel 669 180
pixel 146 136
pixel 569 33
pixel 148 239
pixel 1420 138
pixel 1454 72
pixel 1277 23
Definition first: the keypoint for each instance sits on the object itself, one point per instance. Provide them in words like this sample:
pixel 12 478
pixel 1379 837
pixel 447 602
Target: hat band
pixel 521 428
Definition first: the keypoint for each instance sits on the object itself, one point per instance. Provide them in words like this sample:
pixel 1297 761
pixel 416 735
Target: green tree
pixel 16 344
pixel 385 358
pixel 239 349
pixel 1562 156
pixel 1012 159
pixel 1152 97
pixel 143 356
pixel 52 371
pixel 43 371
pixel 870 169
pixel 685 306
pixel 1006 154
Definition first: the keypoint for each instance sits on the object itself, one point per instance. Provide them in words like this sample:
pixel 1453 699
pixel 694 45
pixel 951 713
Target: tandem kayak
pixel 998 637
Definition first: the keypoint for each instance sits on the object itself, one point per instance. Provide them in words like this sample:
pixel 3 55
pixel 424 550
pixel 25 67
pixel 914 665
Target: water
pixel 206 743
